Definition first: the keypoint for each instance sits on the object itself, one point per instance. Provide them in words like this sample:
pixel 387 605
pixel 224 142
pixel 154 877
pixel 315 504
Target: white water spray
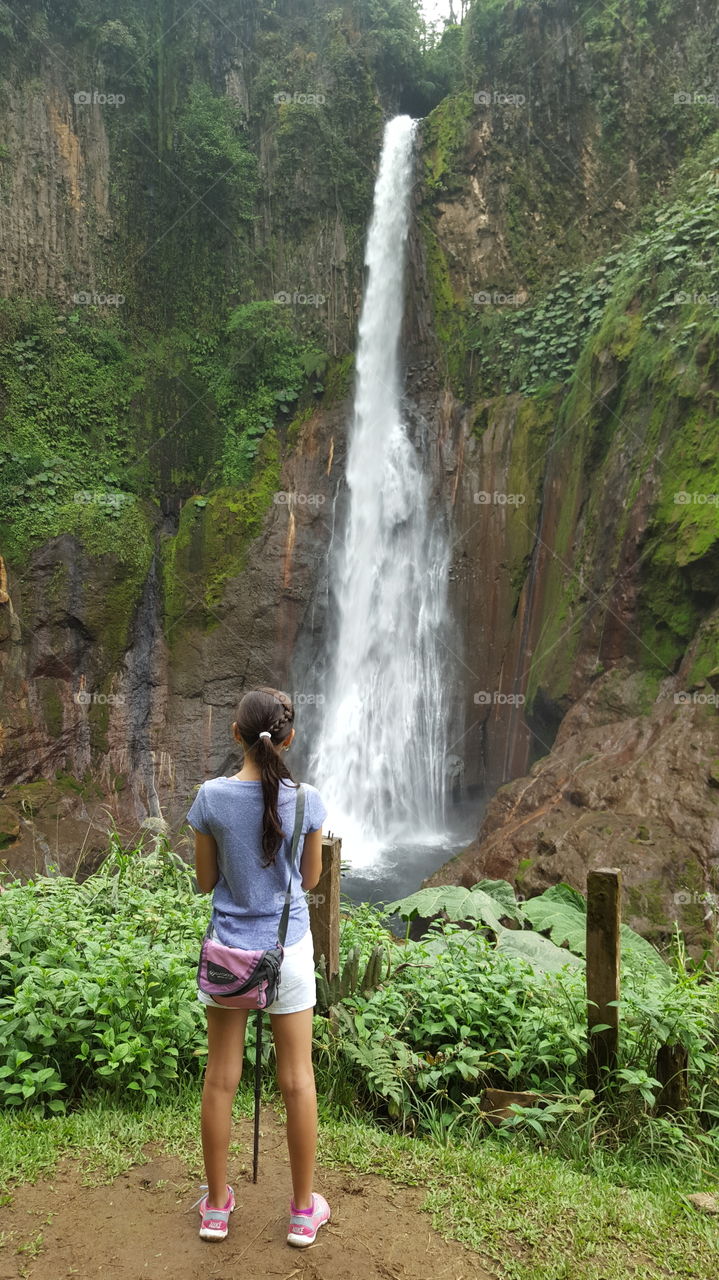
pixel 381 751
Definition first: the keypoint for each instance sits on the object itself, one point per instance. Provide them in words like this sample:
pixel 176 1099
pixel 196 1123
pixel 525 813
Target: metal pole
pixel 258 1072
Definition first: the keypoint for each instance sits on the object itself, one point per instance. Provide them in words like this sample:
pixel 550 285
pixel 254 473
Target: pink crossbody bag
pixel 239 979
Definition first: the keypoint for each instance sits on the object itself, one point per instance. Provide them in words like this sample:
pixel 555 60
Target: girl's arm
pixel 206 869
pixel 311 860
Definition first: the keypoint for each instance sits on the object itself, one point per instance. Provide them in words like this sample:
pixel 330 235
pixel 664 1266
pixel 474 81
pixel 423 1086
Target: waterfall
pixel 380 756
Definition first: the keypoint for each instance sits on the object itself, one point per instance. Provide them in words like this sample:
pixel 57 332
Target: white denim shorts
pixel 298 987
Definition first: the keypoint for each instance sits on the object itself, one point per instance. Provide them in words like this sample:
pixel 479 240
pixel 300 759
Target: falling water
pixel 380 757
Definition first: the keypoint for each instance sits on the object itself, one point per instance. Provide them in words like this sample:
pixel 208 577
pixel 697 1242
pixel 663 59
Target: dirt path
pixel 140 1226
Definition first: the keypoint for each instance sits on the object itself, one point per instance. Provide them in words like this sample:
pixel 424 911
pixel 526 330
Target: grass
pixel 537 1215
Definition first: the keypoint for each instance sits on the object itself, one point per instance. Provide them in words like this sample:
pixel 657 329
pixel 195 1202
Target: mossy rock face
pixel 647 901
pixel 32 797
pixel 98 719
pixel 444 138
pixel 297 423
pixel 338 380
pixel 704 653
pixel 9 826
pixel 623 693
pixel 51 703
pixel 213 540
pixel 50 797
pixel 119 543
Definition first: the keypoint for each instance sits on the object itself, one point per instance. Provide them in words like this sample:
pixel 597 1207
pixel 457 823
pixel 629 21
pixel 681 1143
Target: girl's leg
pixel 225 1051
pixel 293 1044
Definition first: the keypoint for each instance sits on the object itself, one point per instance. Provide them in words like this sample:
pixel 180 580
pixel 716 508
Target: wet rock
pixel 656 817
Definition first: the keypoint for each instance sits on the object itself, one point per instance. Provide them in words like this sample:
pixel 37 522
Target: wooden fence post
pixel 603 922
pixel 673 1074
pixel 324 903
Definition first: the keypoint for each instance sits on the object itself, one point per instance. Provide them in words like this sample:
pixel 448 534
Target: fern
pixel 379 1066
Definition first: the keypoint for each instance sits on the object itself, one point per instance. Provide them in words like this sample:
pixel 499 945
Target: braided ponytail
pixel 265 717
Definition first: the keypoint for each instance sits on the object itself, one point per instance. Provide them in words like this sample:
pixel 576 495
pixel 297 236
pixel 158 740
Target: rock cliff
pixel 181 280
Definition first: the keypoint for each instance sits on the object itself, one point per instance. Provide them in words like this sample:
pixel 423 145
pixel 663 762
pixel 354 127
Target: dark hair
pixel 268 710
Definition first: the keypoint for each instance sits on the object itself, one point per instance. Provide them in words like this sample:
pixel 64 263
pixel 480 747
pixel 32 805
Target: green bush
pixel 670 268
pixel 97 982
pixel 98 995
pixel 459 1012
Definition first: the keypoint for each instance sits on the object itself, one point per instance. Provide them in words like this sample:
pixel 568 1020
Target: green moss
pixel 449 311
pixel 648 901
pixel 690 498
pixel 82 787
pixel 445 133
pixel 300 418
pixel 51 704
pixel 98 719
pixel 706 653
pixel 121 540
pixel 338 380
pixel 626 331
pixel 45 796
pixel 682 568
pixel 213 539
pixel 689 883
pixel 531 431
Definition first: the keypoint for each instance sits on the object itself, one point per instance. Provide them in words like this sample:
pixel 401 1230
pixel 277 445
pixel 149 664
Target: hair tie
pixel 265 734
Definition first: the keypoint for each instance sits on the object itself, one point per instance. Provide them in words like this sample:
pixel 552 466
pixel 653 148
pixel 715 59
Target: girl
pixel 243 834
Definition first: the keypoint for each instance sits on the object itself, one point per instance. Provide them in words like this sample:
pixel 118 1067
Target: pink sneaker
pixel 214 1221
pixel 305 1223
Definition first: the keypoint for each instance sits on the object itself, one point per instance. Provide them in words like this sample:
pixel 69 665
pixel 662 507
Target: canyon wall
pixel 181 279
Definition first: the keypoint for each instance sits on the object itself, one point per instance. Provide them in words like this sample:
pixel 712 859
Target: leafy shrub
pixel 460 1012
pixel 671 267
pixel 211 155
pixel 97 981
pixel 265 367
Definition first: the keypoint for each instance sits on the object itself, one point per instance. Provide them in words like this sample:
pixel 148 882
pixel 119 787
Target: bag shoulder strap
pixel 299 816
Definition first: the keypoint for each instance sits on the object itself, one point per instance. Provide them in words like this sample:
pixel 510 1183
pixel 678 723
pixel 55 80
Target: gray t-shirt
pixel 248 898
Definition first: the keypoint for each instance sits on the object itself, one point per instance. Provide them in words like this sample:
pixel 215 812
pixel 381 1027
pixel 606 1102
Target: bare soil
pixel 141 1225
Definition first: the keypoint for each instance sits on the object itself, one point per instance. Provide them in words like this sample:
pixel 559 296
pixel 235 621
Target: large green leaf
pixel 562 913
pixel 503 893
pixel 536 949
pixel 456 902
